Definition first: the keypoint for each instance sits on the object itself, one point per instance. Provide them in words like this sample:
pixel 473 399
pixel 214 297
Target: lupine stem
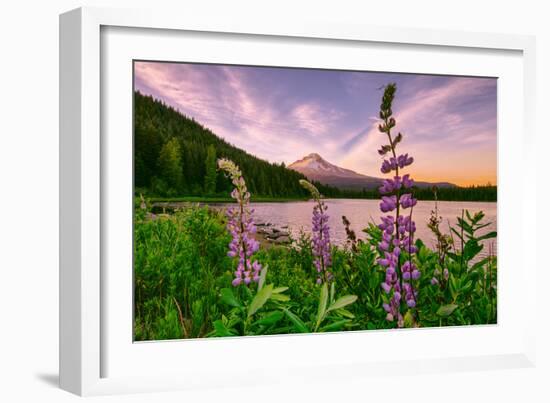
pixel 321 235
pixel 397 231
pixel 242 228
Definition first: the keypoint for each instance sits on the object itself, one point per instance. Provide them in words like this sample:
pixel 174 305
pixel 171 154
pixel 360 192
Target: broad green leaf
pixel 279 290
pixel 492 234
pixel 260 299
pixel 480 226
pixel 464 225
pixel 345 313
pixel 456 233
pixel 263 275
pixel 332 292
pixel 471 249
pixel 334 326
pixel 454 256
pixel 280 297
pixel 408 320
pixel 228 297
pixel 453 288
pixel 270 319
pixel 221 330
pixel 480 264
pixel 323 300
pixel 342 302
pixel 296 321
pixel 446 310
pixel 466 287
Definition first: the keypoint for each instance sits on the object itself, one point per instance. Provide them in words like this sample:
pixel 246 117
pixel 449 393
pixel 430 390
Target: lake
pixel 297 215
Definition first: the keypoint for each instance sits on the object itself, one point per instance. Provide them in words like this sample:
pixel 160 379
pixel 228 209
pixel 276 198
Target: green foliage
pixel 179 264
pixel 210 168
pixel 340 303
pixel 467 295
pixel 183 282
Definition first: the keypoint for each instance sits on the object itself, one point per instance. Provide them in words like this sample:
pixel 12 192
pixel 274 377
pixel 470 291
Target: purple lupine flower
pixel 320 235
pixel 386 167
pixel 407 200
pixel 396 246
pixel 404 160
pixel 407 181
pixel 389 203
pixel 241 226
pixel 390 185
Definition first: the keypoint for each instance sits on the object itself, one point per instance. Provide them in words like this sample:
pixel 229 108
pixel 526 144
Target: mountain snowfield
pixel 316 168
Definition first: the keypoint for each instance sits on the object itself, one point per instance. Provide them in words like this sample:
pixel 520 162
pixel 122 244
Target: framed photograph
pixel 247 198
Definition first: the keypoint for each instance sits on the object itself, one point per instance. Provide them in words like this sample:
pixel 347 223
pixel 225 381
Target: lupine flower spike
pixel 320 235
pixel 241 227
pixel 397 229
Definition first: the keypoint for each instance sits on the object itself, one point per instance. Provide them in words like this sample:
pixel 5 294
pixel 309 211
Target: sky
pixel 449 123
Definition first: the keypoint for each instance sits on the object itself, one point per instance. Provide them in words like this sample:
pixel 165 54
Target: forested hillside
pixel 176 156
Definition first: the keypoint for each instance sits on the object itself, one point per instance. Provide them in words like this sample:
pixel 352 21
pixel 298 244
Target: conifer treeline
pixel 176 156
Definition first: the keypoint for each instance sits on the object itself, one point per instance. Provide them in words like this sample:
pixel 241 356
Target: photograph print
pixel 274 200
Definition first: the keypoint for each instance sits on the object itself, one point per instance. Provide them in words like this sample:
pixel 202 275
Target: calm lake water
pixel 297 215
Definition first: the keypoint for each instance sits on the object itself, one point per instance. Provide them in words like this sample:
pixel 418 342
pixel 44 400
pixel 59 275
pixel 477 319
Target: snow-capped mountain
pixel 316 168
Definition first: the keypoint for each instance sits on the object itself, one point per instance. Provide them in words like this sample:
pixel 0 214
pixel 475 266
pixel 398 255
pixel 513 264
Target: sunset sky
pixel 278 114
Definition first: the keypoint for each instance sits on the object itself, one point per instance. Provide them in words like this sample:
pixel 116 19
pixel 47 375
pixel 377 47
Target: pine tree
pixel 170 164
pixel 210 166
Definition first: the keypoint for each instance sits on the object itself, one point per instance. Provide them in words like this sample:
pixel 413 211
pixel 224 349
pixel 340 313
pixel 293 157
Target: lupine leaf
pixel 279 297
pixel 471 249
pixel 334 326
pixel 270 319
pixel 408 320
pixel 342 302
pixel 296 321
pixel 466 287
pixel 480 264
pixel 228 297
pixel 345 313
pixel 260 299
pixel 263 275
pixel 446 310
pixel 221 330
pixel 488 235
pixel 458 234
pixel 322 308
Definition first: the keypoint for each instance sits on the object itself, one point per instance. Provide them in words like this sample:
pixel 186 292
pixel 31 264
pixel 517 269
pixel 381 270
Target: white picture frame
pixel 91 361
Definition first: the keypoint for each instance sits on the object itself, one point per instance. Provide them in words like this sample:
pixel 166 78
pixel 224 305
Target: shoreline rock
pixel 273 235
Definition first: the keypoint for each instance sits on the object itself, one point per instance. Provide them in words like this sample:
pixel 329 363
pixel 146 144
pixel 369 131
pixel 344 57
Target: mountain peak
pixel 313 156
pixel 316 168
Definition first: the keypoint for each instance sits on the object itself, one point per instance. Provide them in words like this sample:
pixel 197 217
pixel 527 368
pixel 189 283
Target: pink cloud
pixel 434 135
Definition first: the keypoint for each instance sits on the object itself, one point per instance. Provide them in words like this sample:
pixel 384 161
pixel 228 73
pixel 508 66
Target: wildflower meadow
pixel 203 270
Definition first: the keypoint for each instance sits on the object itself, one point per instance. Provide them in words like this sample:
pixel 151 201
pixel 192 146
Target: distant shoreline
pixel 200 199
